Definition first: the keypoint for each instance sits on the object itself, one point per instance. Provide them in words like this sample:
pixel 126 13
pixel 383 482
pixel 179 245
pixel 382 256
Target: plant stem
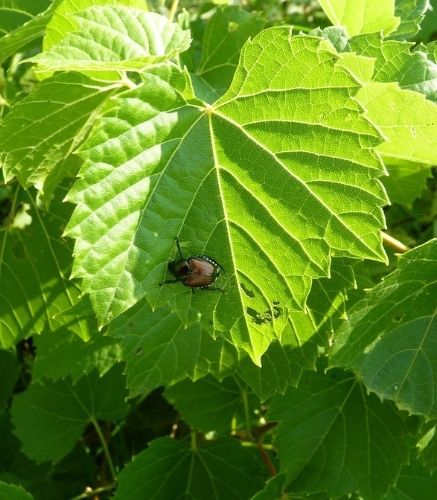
pixel 105 448
pixel 393 243
pixel 266 459
pixel 173 9
pixel 92 492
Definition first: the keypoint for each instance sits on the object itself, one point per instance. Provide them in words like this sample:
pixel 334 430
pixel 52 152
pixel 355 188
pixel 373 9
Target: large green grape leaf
pixel 34 264
pixel 222 469
pixel 115 38
pixel 284 362
pixel 334 438
pixel 22 22
pixel 159 350
pixel 270 181
pixel 390 339
pixel 49 417
pixel 362 16
pixel 42 129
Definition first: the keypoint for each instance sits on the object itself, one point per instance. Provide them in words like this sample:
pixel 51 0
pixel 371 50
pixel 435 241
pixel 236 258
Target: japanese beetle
pixel 197 271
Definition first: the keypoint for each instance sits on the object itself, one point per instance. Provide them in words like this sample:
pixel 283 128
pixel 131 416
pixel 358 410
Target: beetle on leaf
pixel 197 271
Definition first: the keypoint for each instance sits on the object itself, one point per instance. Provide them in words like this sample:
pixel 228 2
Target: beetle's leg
pixel 169 281
pixel 214 289
pixel 179 249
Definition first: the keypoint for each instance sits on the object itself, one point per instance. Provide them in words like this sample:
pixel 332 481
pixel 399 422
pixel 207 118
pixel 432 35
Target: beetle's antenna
pixel 179 248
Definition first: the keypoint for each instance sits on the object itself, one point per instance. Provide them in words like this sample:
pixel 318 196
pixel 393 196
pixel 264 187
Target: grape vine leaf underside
pixel 271 180
pixel 390 337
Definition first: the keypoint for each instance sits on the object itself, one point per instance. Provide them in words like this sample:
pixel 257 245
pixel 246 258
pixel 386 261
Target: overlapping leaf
pixel 13 492
pixel 40 132
pixel 64 21
pixel 362 16
pixel 394 62
pixel 34 264
pixel 22 22
pixel 44 481
pixel 196 472
pixel 207 405
pixel 224 37
pixel 411 138
pixel 390 339
pixel 411 13
pixel 334 438
pixel 49 417
pixel 115 38
pixel 61 354
pixel 269 181
pixel 159 350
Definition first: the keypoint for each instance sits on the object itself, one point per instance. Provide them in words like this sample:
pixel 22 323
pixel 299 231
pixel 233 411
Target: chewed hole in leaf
pixel 247 291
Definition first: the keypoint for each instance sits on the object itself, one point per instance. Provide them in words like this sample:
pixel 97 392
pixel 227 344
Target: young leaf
pixel 334 438
pixel 222 469
pixel 115 38
pixel 43 128
pixel 390 339
pixel 160 350
pixel 49 417
pixel 362 16
pixel 158 166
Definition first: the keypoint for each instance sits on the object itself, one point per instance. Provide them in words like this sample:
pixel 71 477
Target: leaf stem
pixel 305 29
pixel 193 440
pixel 246 411
pixel 393 243
pixel 105 448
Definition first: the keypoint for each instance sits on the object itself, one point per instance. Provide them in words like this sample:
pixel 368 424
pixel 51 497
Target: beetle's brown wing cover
pixel 203 273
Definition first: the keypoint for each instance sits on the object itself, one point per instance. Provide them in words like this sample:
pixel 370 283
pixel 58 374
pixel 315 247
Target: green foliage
pixel 221 469
pixel 390 337
pixel 308 368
